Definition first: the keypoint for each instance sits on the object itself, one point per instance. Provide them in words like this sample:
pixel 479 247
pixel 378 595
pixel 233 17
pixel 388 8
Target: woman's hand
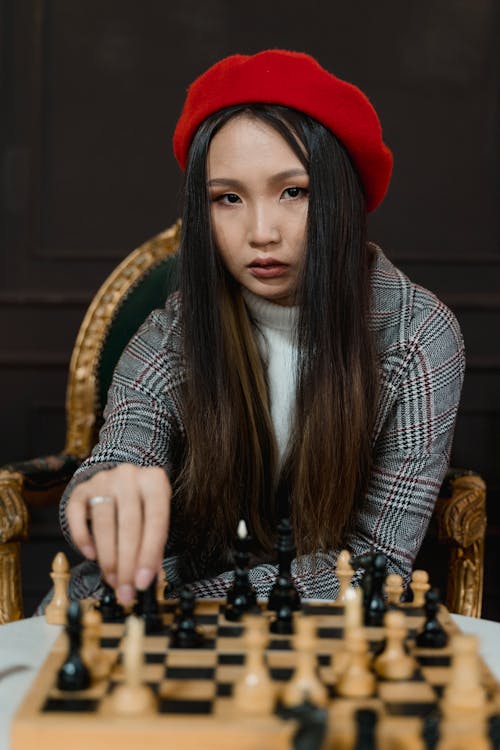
pixel 129 524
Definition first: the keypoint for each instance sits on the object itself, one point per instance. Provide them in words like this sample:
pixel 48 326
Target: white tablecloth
pixel 25 644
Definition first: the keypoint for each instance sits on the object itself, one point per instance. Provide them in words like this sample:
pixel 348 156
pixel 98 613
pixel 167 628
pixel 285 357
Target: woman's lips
pixel 267 269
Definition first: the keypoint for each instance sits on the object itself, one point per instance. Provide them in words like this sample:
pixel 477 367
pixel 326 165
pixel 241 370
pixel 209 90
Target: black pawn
pixel 284 592
pixel 74 675
pixel 365 563
pixel 283 622
pixel 109 607
pixel 433 635
pixel 241 597
pixel 366 721
pixel 147 608
pixel 185 633
pixel 494 731
pixel 430 731
pixel 376 606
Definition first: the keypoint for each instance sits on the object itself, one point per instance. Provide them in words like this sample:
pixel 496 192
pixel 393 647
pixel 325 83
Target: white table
pixel 25 644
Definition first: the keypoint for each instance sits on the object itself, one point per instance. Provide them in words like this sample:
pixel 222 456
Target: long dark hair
pixel 229 465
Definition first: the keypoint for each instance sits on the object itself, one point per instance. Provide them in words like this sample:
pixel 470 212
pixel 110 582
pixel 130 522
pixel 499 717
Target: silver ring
pixel 98 499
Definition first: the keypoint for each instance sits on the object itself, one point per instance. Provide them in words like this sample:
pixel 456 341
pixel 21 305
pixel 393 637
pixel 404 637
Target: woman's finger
pixel 102 512
pixel 129 530
pixel 156 493
pixel 76 514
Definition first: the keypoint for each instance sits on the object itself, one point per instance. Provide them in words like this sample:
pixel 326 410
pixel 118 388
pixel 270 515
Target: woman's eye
pixel 295 192
pixel 228 198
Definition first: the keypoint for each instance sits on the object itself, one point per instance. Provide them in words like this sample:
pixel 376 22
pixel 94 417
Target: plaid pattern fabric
pixel 421 358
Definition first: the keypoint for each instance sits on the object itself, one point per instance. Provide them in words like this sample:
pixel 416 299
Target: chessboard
pixel 193 691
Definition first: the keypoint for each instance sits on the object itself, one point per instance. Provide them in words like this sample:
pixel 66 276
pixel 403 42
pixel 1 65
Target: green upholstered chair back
pixel 148 293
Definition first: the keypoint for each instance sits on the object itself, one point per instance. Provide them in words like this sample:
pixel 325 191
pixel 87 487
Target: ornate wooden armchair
pixel 138 285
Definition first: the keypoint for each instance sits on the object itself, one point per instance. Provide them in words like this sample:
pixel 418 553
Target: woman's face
pixel 258 192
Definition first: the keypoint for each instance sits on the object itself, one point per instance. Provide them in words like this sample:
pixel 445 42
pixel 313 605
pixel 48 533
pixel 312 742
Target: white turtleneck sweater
pixel 275 326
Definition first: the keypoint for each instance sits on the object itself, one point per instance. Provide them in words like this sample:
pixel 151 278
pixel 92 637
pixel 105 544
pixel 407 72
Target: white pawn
pixel 254 692
pixel 357 681
pixel 394 663
pixel 353 622
pixel 464 692
pixel 394 588
pixel 132 697
pixel 305 685
pixel 55 612
pixel 464 703
pixel 420 586
pixel 353 609
pixel 344 574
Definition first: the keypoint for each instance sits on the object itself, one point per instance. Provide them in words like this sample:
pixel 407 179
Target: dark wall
pixel 90 93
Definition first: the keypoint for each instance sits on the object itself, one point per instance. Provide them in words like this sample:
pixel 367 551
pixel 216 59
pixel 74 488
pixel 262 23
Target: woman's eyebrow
pixel 278 177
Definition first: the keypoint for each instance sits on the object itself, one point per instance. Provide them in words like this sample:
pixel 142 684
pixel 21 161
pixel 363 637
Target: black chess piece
pixel 430 731
pixel 311 723
pixel 365 563
pixel 366 721
pixel 283 622
pixel 432 635
pixel 283 591
pixel 184 633
pixel 109 607
pixel 241 597
pixel 147 608
pixel 376 606
pixel 494 731
pixel 73 674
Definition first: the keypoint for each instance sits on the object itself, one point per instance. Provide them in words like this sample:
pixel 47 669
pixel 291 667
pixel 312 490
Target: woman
pixel 297 372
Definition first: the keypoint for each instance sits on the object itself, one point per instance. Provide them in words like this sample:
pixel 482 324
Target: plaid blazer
pixel 421 358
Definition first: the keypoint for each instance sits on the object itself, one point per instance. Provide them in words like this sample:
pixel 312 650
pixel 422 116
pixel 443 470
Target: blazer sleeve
pixel 142 414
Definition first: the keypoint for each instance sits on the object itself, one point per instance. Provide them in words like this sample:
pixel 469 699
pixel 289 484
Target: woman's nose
pixel 263 227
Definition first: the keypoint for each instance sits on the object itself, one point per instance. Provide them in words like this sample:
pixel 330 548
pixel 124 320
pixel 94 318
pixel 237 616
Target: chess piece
pixel 147 608
pixel 394 663
pixel 353 622
pixel 254 693
pixel 305 685
pixel 185 633
pixel 365 563
pixel 376 607
pixel 419 585
pixel 394 589
pixel 73 674
pixel 132 697
pixel 55 612
pixel 433 635
pixel 97 661
pixel 111 610
pixel 494 731
pixel 283 622
pixel 241 597
pixel 430 731
pixel 366 722
pixel 464 693
pixel 353 609
pixel 344 572
pixel 356 680
pixel 284 588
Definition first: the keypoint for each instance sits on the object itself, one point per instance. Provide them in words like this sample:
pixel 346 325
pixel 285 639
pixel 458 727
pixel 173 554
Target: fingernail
pixel 126 594
pixel 89 552
pixel 143 578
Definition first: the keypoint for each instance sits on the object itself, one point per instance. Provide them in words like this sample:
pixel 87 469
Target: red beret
pixel 296 80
